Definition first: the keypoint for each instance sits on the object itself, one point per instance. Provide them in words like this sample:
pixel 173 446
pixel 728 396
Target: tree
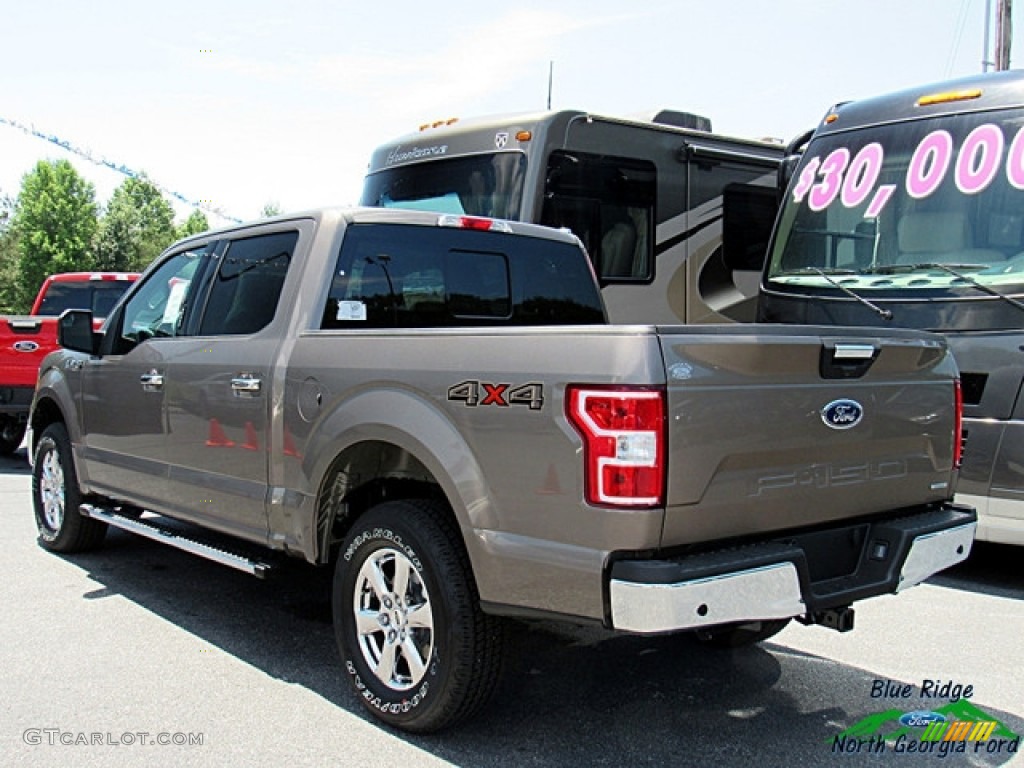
pixel 55 223
pixel 138 225
pixel 194 224
pixel 8 260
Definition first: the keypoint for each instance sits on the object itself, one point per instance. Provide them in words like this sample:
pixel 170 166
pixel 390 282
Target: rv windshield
pixel 477 185
pixel 925 209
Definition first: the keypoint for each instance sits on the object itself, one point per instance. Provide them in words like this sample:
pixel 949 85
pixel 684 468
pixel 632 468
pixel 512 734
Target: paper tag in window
pixel 351 310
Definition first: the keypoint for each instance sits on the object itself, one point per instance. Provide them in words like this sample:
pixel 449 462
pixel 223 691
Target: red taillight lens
pixel 623 434
pixel 958 424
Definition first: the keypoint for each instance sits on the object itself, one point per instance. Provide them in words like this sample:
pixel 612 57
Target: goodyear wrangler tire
pixel 418 650
pixel 56 497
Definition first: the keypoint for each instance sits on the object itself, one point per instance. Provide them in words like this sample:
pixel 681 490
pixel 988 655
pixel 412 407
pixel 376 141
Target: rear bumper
pixel 793 575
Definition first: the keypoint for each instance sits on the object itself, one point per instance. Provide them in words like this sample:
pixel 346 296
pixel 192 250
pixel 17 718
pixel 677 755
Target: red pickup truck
pixel 26 340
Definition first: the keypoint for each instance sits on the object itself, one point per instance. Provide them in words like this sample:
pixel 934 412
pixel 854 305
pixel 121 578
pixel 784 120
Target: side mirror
pixel 75 331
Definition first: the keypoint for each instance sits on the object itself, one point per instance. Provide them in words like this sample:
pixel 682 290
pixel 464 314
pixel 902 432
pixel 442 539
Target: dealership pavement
pixel 139 654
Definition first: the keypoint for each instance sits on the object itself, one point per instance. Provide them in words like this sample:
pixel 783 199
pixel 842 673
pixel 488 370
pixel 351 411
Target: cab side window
pixel 157 309
pixel 247 286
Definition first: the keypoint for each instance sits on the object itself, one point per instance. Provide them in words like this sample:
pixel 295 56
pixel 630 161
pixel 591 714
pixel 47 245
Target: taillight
pixel 958 424
pixel 624 443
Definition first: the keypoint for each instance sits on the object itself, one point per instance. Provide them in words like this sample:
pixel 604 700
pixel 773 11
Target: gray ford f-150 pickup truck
pixel 437 407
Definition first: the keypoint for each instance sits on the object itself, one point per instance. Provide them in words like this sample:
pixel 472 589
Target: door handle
pixel 152 381
pixel 246 385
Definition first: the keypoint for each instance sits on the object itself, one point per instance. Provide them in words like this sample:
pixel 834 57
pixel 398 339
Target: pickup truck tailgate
pixel 25 341
pixel 773 429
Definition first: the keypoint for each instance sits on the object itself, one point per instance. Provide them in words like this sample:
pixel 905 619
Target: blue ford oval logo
pixel 25 346
pixel 921 718
pixel 842 414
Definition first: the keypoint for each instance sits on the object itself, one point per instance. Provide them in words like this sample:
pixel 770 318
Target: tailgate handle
pixel 846 360
pixel 854 352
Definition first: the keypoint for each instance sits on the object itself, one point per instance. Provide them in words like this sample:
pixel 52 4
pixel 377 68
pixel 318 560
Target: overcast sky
pixel 240 104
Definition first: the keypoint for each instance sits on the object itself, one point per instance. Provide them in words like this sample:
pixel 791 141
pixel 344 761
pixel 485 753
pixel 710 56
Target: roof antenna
pixel 551 77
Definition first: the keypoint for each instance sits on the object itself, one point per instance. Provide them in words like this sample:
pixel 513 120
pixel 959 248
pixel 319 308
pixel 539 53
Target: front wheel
pixel 56 498
pixel 418 650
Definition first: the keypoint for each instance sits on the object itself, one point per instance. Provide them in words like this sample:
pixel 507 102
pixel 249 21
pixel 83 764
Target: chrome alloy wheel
pixel 394 620
pixel 51 490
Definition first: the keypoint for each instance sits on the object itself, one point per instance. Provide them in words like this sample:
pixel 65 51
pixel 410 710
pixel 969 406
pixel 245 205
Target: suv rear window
pixel 402 276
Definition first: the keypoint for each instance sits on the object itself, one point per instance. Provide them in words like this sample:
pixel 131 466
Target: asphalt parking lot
pixel 106 656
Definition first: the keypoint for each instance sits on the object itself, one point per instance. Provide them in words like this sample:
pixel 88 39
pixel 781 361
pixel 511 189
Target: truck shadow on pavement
pixel 569 695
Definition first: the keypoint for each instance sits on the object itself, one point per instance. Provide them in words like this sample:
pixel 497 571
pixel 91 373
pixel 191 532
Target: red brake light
pixel 623 433
pixel 958 424
pixel 473 222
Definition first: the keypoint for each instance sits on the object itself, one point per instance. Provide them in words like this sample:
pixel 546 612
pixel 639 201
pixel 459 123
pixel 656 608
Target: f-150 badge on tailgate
pixel 842 414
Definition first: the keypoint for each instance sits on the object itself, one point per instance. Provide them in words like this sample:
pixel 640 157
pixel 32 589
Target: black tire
pixel 440 654
pixel 12 432
pixel 56 497
pixel 732 636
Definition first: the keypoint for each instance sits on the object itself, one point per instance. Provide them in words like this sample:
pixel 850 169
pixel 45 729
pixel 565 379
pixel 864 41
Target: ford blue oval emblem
pixel 25 346
pixel 842 414
pixel 921 718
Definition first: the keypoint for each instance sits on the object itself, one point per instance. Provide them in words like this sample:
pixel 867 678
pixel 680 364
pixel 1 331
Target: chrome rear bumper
pixel 774 579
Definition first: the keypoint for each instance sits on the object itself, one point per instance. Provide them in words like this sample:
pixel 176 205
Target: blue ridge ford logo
pixel 842 414
pixel 25 346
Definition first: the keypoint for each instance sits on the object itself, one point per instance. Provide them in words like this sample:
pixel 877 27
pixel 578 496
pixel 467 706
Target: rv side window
pixel 747 219
pixel 608 202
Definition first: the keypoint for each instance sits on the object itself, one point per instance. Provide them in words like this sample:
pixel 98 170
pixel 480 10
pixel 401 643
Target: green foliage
pixel 194 224
pixel 272 208
pixel 8 260
pixel 138 225
pixel 54 222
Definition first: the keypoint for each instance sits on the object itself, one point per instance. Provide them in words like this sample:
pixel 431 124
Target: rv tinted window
pixel 480 185
pixel 398 276
pixel 747 221
pixel 609 203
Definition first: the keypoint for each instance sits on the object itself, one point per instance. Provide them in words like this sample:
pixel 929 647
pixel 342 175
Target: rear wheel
pixel 419 652
pixel 741 635
pixel 56 498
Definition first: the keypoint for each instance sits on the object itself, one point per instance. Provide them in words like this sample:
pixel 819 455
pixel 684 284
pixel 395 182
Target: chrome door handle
pixel 246 385
pixel 153 381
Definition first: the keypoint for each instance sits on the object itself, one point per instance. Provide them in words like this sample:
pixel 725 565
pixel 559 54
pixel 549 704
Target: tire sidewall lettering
pixel 394 703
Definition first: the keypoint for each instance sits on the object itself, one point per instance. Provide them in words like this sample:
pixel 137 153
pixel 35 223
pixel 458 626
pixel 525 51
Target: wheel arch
pixel 392 444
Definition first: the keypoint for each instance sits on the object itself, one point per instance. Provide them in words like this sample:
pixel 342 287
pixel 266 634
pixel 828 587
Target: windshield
pixel 920 209
pixel 477 185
